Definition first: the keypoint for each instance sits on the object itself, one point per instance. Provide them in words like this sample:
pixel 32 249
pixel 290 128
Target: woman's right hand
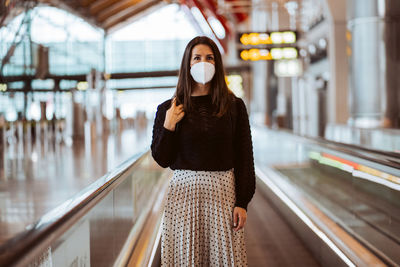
pixel 174 115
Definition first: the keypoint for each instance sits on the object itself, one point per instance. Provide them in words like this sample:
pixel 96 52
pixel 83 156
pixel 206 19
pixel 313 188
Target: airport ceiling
pixel 109 14
pixel 112 14
pixel 106 14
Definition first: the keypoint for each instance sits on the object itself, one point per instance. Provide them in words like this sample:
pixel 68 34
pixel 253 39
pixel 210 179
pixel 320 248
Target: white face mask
pixel 202 72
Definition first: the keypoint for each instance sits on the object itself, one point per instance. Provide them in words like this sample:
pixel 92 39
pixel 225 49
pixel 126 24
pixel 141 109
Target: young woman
pixel 203 134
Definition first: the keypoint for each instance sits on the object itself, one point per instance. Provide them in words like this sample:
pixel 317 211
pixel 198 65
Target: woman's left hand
pixel 239 218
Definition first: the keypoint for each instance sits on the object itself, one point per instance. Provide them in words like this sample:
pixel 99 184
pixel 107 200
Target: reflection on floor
pixel 38 176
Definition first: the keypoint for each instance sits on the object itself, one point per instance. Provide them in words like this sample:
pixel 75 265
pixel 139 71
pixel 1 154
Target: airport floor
pixel 40 176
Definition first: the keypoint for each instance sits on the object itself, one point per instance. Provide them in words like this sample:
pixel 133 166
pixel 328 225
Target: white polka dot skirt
pixel 197 226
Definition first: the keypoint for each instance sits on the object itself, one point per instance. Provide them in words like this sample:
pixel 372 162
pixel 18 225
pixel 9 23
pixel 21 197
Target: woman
pixel 203 134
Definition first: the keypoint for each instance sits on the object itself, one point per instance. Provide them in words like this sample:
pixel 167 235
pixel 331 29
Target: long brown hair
pixel 220 93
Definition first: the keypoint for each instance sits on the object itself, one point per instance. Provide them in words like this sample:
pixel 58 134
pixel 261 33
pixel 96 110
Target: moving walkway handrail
pixel 344 244
pixel 389 159
pixel 376 159
pixel 23 248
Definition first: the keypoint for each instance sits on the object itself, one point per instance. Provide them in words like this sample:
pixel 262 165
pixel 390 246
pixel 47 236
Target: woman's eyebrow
pixel 200 55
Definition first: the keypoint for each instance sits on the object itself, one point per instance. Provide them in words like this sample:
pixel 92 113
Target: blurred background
pixel 80 81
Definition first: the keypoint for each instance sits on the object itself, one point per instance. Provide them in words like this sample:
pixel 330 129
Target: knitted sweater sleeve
pixel 243 158
pixel 163 145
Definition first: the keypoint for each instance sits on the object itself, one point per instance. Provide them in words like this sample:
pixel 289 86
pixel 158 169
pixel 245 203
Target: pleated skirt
pixel 197 225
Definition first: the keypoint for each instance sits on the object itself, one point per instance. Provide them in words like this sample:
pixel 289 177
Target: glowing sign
pixel 288 68
pixel 3 87
pixel 235 83
pixel 255 54
pixel 272 38
pixel 82 86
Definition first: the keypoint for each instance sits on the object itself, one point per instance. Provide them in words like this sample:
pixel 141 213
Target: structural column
pixel 337 93
pixel 259 22
pixel 374 42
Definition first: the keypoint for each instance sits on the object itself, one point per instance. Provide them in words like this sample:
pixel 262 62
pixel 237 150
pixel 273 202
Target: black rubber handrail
pixel 16 250
pixel 359 147
pixel 385 158
pixel 390 159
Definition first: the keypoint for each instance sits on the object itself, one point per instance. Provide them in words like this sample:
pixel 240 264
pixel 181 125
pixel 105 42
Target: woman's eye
pixel 210 58
pixel 196 58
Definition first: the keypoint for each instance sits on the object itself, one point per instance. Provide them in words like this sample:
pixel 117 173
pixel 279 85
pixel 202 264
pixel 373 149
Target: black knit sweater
pixel 202 141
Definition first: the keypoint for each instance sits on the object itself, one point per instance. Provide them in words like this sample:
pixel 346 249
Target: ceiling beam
pixel 136 17
pixel 80 12
pixel 86 3
pixel 101 5
pixel 115 9
pixel 129 12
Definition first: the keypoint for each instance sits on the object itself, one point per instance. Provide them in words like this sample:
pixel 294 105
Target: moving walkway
pixel 317 203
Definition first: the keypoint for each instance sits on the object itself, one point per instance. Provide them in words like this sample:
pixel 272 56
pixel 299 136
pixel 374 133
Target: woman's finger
pixel 235 218
pixel 178 112
pixel 244 221
pixel 180 116
pixel 241 222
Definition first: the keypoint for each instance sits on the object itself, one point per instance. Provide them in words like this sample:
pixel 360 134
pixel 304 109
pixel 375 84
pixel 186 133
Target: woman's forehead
pixel 202 49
